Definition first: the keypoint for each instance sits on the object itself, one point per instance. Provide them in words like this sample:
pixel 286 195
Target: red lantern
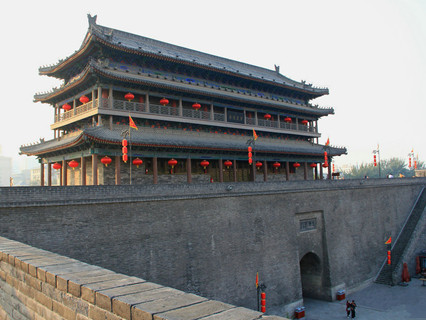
pixel 73 164
pixel 66 107
pixel 57 166
pixel 172 163
pixel 227 163
pixel 84 99
pixel 375 160
pixel 276 165
pixel 325 165
pixel 124 143
pixel 106 161
pixel 332 167
pixel 267 116
pixel 125 157
pixel 249 149
pixel 196 106
pixel 313 165
pixel 258 164
pixel 304 122
pixel 129 96
pixel 164 101
pixel 250 155
pixel 204 164
pixel 296 164
pixel 137 162
pixel 287 119
pixel 409 162
pixel 124 149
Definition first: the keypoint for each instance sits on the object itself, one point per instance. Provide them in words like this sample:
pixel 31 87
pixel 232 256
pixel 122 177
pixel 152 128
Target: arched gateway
pixel 311 272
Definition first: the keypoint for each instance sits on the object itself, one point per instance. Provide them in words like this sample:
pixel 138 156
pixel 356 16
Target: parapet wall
pixel 37 284
pixel 212 239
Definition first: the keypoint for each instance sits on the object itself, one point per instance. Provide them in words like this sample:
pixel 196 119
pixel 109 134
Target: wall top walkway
pixel 43 196
pixel 88 290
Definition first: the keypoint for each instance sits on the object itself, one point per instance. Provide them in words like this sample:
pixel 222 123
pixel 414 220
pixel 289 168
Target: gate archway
pixel 311 276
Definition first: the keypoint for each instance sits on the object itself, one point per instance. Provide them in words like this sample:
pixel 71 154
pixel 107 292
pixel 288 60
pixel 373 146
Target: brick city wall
pixel 37 284
pixel 211 239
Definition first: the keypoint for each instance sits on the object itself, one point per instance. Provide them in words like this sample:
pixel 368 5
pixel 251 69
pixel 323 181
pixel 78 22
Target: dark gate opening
pixel 311 274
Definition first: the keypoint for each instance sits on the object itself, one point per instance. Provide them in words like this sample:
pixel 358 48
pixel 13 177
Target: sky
pixel 371 54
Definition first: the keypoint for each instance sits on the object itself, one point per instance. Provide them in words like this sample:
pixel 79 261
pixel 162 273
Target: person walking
pixel 353 307
pixel 348 308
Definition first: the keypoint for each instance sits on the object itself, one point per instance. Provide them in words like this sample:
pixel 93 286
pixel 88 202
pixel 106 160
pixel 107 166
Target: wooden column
pixel 321 173
pixel 188 170
pixel 265 171
pixel 110 122
pixel 234 169
pixel 110 99
pixel 147 102
pixel 180 108
pixel 253 171
pixel 305 171
pixel 49 174
pixel 220 170
pixel 329 171
pixel 42 174
pixel 64 173
pixel 95 169
pixel 155 170
pixel 316 172
pixel 83 177
pixel 287 170
pixel 117 170
pixel 99 97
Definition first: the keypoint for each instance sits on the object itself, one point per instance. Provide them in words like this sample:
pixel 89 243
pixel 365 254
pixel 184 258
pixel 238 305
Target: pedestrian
pixel 353 307
pixel 348 308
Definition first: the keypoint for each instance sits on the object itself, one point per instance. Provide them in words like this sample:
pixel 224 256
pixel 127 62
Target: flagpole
pixel 130 150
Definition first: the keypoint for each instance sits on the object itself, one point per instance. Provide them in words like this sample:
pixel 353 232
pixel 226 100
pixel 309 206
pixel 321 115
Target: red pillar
pixel 49 174
pixel 188 170
pixel 42 174
pixel 64 173
pixel 155 169
pixel 117 170
pixel 95 169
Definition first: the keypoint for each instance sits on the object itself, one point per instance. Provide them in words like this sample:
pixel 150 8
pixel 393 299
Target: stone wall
pixel 211 239
pixel 37 284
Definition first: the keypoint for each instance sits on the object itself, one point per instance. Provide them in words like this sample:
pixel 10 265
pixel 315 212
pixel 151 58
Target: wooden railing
pixel 175 112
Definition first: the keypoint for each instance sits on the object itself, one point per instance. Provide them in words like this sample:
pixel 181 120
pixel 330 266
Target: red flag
pixel 132 123
pixel 257 276
pixel 389 241
pixel 328 142
pixel 255 136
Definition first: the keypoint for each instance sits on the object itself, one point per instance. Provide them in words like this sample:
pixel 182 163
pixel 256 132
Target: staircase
pixel 399 245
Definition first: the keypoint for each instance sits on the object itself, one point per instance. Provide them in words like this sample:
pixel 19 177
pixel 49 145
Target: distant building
pixel 196 113
pixel 5 171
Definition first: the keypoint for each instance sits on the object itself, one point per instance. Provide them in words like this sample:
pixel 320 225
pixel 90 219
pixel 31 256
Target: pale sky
pixel 371 54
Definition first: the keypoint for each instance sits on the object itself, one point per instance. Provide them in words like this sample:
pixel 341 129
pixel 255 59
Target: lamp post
pixel 377 151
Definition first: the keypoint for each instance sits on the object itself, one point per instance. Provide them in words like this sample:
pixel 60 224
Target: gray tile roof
pixel 146 45
pixel 185 139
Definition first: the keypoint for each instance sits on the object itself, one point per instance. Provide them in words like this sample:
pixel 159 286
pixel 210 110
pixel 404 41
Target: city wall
pixel 37 284
pixel 211 239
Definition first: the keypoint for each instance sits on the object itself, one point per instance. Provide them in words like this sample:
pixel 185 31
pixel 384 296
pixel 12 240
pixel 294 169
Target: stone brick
pixel 96 313
pixel 33 282
pixel 44 300
pixel 235 314
pixel 195 311
pixel 63 311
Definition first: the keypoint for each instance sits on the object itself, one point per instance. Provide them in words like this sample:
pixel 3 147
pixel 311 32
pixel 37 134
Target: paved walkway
pixel 375 302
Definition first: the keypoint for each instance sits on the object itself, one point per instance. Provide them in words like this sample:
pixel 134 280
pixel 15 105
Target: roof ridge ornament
pixel 277 68
pixel 92 20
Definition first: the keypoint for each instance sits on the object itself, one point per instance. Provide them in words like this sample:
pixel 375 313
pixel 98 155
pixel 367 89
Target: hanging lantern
pixel 325 165
pixel 375 160
pixel 129 96
pixel 125 157
pixel 204 164
pixel 73 164
pixel 276 165
pixel 57 166
pixel 258 165
pixel 84 99
pixel 137 162
pixel 227 164
pixel 124 149
pixel 333 167
pixel 196 106
pixel 66 107
pixel 172 163
pixel 304 122
pixel 164 101
pixel 124 143
pixel 287 119
pixel 409 162
pixel 313 165
pixel 106 161
pixel 296 164
pixel 267 116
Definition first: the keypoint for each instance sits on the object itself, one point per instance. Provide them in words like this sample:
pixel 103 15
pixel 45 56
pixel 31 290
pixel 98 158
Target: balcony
pixel 160 112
